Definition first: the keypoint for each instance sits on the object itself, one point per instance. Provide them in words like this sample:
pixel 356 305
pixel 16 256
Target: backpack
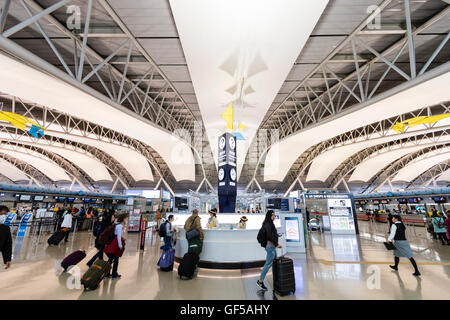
pixel 262 237
pixel 440 223
pixel 107 236
pixel 162 229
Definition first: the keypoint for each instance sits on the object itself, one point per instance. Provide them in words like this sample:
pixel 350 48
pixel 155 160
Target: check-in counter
pixel 226 248
pixel 419 220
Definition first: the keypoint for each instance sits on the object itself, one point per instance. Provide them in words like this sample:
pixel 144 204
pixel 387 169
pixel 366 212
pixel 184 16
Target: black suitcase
pixel 95 274
pixel 187 266
pixel 56 238
pixel 283 276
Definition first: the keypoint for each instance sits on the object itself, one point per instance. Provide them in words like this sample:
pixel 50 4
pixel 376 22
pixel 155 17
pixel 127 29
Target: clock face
pixel 222 143
pixel 221 174
pixel 233 174
pixel 232 143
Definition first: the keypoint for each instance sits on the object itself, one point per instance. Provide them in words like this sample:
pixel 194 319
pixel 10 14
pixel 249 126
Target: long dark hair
pixel 268 218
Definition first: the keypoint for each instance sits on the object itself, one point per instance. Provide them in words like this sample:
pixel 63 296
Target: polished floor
pixel 335 267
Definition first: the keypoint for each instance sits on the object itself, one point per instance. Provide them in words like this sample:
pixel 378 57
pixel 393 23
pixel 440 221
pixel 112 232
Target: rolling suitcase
pixel 187 266
pixel 56 238
pixel 283 276
pixel 165 263
pixel 195 246
pixel 73 259
pixel 95 274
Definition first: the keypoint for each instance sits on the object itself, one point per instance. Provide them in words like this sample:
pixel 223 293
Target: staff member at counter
pixel 212 221
pixel 243 223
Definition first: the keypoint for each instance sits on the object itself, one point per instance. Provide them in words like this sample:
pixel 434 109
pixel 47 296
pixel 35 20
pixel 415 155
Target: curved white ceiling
pixel 30 84
pixel 47 167
pixel 12 172
pixel 93 168
pixel 372 165
pixel 241 49
pixel 134 162
pixel 324 165
pixel 415 168
pixel 368 168
pixel 445 176
pixel 283 154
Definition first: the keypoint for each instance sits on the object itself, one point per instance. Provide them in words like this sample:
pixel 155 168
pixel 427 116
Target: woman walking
pixel 402 248
pixel 115 249
pixel 270 244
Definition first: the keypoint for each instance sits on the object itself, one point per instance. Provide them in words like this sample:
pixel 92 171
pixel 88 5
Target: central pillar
pixel 227 173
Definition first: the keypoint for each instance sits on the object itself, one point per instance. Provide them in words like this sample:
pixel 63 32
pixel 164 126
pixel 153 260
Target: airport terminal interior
pixel 179 150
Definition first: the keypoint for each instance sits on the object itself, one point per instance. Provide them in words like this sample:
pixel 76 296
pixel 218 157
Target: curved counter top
pixel 227 249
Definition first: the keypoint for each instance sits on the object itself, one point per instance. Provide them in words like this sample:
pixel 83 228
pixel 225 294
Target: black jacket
pixel 5 243
pixel 271 232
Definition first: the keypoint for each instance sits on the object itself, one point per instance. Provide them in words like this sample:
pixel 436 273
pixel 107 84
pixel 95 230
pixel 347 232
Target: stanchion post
pixel 142 233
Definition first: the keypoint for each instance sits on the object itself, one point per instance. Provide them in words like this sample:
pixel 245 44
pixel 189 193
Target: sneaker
pixel 117 276
pixel 394 268
pixel 417 273
pixel 261 285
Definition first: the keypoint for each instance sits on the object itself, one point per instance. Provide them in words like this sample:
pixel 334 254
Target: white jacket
pixel 67 222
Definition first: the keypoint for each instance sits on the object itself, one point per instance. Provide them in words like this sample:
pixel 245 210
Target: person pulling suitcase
pixel 194 236
pixel 268 239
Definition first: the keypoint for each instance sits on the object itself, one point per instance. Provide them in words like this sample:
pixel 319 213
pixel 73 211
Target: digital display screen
pixel 151 194
pixel 401 200
pixel 86 200
pixel 38 198
pixel 439 199
pixel 376 201
pixel 166 195
pixel 284 205
pixel 60 199
pixel 292 232
pixel 384 201
pixel 25 197
pixel 274 203
pixel 181 203
pixel 93 200
pixel 70 199
pixel 414 200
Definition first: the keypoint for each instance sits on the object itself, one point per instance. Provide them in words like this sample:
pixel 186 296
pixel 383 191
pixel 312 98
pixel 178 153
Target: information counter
pixel 226 248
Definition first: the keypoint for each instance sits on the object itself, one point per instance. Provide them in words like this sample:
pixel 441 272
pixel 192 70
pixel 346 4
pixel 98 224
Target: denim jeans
pixel 271 255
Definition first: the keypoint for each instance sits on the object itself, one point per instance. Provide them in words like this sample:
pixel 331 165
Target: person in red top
pixel 447 224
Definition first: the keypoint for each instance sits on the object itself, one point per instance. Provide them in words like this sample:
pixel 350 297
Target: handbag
pixel 194 233
pixel 113 248
pixel 389 245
